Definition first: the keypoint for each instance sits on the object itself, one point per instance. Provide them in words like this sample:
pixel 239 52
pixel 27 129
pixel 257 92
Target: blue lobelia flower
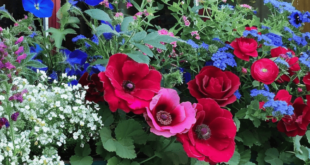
pixel 266 87
pixel 73 83
pixel 237 94
pixel 186 75
pixel 53 76
pixel 223 59
pixel 109 36
pixel 296 19
pixel 272 39
pixel 37 50
pixel 92 2
pixel 40 8
pixel 279 107
pixel 192 43
pixel 265 93
pixel 205 46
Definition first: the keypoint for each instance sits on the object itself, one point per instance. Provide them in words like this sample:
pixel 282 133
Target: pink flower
pixel 159 50
pixel 197 37
pixel 187 23
pixel 1 29
pixel 128 5
pixel 184 18
pixel 19 50
pixel 119 14
pixel 224 1
pixel 299 89
pixel 194 33
pixel 139 14
pixel 145 12
pixel 9 65
pixel 243 70
pixel 167 116
pixel 174 44
pixel 163 32
pixel 21 57
pixel 246 6
pixel 170 34
pixel 15 24
pixel 150 46
pixel 19 40
pixel 134 17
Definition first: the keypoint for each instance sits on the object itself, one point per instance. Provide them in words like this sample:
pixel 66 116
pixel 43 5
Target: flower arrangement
pixel 219 87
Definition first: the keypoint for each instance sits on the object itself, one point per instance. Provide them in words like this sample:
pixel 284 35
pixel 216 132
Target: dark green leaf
pixel 125 148
pixel 113 161
pixel 77 160
pixel 128 128
pixel 82 152
pixel 235 159
pixel 35 64
pixel 245 156
pixel 272 155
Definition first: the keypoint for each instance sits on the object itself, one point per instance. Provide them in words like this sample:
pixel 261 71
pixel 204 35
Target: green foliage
pixel 272 157
pixel 81 156
pixel 59 35
pixel 98 14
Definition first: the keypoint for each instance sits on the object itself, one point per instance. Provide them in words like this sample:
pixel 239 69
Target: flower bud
pixel 299 89
pixel 244 70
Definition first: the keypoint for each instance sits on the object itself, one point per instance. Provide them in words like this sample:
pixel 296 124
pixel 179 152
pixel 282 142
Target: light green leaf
pixel 144 49
pixel 237 121
pixel 256 122
pixel 156 44
pixel 139 57
pixel 73 20
pixel 296 141
pixel 82 152
pixel 77 160
pixel 35 64
pixel 107 140
pixel 103 28
pixel 139 36
pixel 128 128
pixel 308 136
pixel 304 155
pixel 249 163
pixel 272 155
pixel 98 14
pixel 125 23
pixel 255 83
pixel 235 158
pixel 63 11
pixel 59 35
pixel 3 77
pixel 286 157
pixel 125 148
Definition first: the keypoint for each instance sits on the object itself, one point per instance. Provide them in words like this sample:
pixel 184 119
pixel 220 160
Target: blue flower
pixel 298 40
pixel 282 62
pixel 53 76
pixel 40 8
pixel 253 33
pixel 304 59
pixel 73 83
pixel 255 12
pixel 205 46
pixel 76 57
pixel 306 17
pixel 37 50
pixel 266 87
pixel 109 36
pixel 186 75
pixel 72 2
pixel 192 43
pixel 279 107
pixel 223 59
pixel 296 19
pixel 306 36
pixel 272 39
pixel 281 6
pixel 33 34
pixel 111 6
pixel 265 27
pixel 95 39
pixel 75 39
pixel 92 2
pixel 97 69
pixel 209 63
pixel 237 94
pixel 256 92
pixel 287 29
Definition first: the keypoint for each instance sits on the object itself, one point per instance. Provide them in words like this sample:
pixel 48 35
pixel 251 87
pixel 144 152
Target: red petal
pixel 134 71
pixel 223 128
pixel 212 110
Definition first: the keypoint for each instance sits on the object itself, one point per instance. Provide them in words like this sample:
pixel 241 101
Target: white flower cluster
pixel 49 115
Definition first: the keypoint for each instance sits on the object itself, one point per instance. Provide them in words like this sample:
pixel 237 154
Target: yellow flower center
pixel 264 70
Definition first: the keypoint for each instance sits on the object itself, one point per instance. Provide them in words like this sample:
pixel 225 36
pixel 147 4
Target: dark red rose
pixel 297 123
pixel 211 138
pixel 212 82
pixel 292 61
pixel 306 81
pixel 265 71
pixel 129 85
pixel 95 87
pixel 244 48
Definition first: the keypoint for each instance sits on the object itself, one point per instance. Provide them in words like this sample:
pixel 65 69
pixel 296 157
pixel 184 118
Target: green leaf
pixel 3 77
pixel 113 161
pixel 106 115
pixel 63 11
pixel 77 160
pixel 249 163
pixel 255 83
pixel 260 158
pixel 144 49
pixel 139 57
pixel 98 14
pixel 107 140
pixel 308 136
pixel 128 128
pixel 296 141
pixel 139 36
pixel 156 44
pixel 256 122
pixel 125 148
pixel 82 152
pixel 304 155
pixel 235 158
pixel 103 28
pixel 272 155
pixel 125 23
pixel 59 35
pixel 35 64
pixel 237 121
pixel 197 162
pixel 286 157
pixel 245 156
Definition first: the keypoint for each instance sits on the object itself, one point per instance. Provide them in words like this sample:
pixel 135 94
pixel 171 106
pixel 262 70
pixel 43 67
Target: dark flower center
pixel 298 20
pixel 128 86
pixel 203 132
pixel 163 117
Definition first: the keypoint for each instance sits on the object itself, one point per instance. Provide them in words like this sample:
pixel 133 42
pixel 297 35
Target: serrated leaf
pixel 138 36
pixel 113 161
pixel 235 158
pixel 82 152
pixel 272 155
pixel 144 49
pixel 77 160
pixel 107 140
pixel 245 156
pixel 286 157
pixel 125 23
pixel 3 77
pixel 63 11
pixel 156 44
pixel 98 14
pixel 125 148
pixel 139 57
pixel 106 115
pixel 128 128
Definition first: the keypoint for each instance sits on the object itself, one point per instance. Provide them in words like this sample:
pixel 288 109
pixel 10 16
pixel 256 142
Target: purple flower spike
pixel 9 65
pixel 15 116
